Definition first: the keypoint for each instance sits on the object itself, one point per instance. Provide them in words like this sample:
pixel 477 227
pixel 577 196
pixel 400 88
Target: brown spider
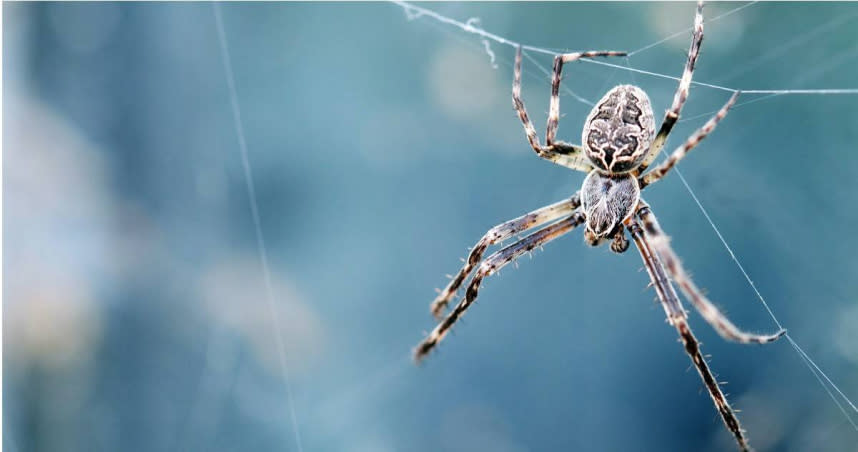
pixel 619 144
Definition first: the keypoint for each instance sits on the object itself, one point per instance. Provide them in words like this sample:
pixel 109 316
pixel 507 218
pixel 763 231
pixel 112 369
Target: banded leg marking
pixel 491 265
pixel 660 243
pixel 561 153
pixel 556 77
pixel 662 169
pixel 498 234
pixel 681 95
pixel 676 316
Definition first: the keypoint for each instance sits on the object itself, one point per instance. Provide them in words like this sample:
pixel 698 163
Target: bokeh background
pixel 135 314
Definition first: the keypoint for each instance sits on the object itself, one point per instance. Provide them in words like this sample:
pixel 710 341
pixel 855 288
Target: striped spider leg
pixel 677 317
pixel 659 242
pixel 681 95
pixel 564 154
pixel 664 167
pixel 496 235
pixel 491 265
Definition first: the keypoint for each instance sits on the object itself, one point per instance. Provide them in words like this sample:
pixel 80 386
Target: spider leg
pixel 658 172
pixel 554 105
pixel 498 234
pixel 681 95
pixel 676 316
pixel 491 265
pixel 564 154
pixel 619 244
pixel 660 243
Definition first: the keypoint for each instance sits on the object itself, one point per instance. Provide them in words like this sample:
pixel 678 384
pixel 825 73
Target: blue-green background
pixel 135 313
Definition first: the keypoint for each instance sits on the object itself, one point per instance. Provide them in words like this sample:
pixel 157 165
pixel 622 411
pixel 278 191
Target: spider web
pixel 471 26
pixel 176 262
pixel 257 222
pixel 486 38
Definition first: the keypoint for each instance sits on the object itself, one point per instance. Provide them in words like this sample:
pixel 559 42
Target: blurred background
pixel 135 308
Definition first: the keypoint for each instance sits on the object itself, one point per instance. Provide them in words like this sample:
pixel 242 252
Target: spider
pixel 619 144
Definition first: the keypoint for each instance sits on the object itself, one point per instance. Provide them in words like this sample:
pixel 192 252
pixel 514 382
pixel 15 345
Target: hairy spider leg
pixel 498 234
pixel 492 264
pixel 681 95
pixel 556 77
pixel 564 154
pixel 660 243
pixel 664 167
pixel 677 317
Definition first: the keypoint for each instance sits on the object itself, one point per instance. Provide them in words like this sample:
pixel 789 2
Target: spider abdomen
pixel 608 200
pixel 619 130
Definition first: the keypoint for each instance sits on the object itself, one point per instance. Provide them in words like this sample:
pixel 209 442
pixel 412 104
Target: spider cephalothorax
pixel 619 144
pixel 619 130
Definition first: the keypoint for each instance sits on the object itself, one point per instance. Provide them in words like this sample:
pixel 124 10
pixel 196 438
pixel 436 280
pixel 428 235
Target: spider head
pixel 619 130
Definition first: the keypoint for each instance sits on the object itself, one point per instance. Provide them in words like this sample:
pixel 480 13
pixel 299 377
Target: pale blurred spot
pixel 666 19
pixel 476 427
pixel 84 27
pixel 54 174
pixel 394 137
pixel 727 32
pixel 235 296
pixel 56 221
pixel 467 88
pixel 54 327
pixel 846 334
pixel 464 83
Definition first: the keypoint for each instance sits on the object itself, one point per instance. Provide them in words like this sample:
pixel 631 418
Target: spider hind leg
pixel 678 318
pixel 497 235
pixel 490 266
pixel 659 243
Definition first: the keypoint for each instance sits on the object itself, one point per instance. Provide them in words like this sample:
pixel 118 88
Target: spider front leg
pixel 491 265
pixel 681 94
pixel 498 234
pixel 564 154
pixel 556 77
pixel 658 172
pixel 676 316
pixel 660 243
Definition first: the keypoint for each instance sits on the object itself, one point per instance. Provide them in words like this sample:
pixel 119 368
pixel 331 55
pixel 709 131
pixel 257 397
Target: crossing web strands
pixel 413 12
